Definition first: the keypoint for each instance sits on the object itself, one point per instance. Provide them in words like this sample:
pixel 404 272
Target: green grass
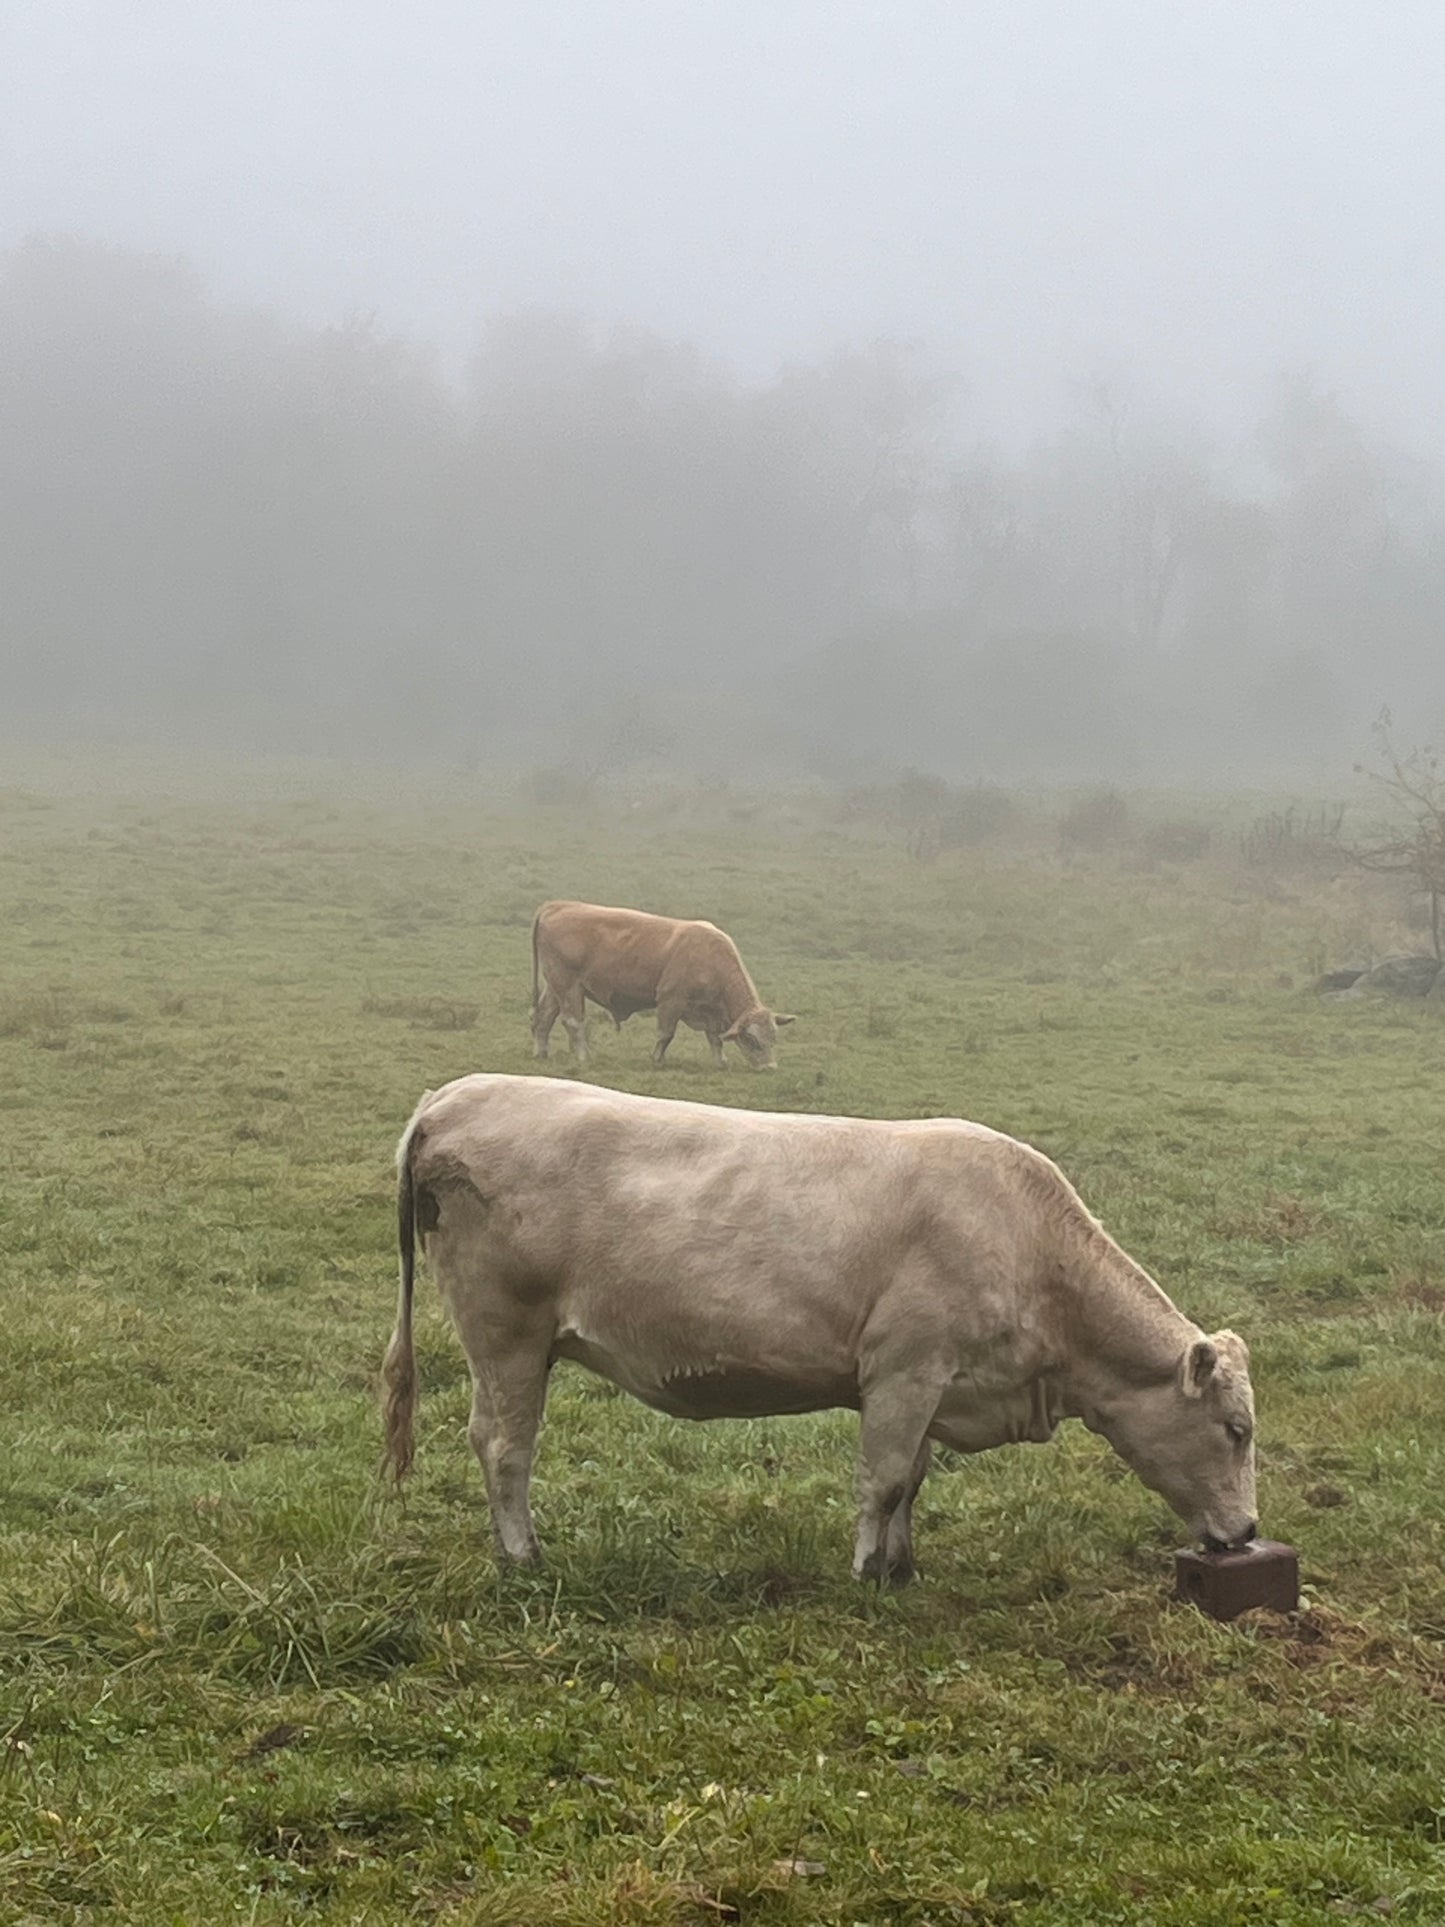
pixel 239 1681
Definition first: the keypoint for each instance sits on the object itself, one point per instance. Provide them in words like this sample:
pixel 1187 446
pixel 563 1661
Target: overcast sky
pixel 1192 193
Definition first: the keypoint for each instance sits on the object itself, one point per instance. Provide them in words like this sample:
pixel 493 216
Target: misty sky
pixel 1188 196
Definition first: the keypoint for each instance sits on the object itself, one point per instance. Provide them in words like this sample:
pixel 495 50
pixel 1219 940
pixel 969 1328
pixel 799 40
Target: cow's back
pixel 584 936
pixel 620 1205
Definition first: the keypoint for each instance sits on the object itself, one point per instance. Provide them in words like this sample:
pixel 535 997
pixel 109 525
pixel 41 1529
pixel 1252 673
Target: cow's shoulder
pixel 706 939
pixel 1012 1176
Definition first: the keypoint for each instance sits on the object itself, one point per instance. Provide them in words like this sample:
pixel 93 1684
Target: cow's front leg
pixel 898 1550
pixel 715 1045
pixel 509 1389
pixel 668 1019
pixel 891 1461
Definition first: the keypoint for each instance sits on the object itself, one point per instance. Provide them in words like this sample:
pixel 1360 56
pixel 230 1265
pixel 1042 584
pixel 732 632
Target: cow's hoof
pixel 512 1562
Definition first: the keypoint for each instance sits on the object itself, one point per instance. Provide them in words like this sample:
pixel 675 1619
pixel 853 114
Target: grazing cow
pixel 941 1279
pixel 626 961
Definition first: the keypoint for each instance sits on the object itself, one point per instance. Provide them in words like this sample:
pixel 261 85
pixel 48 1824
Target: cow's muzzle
pixel 1247 1537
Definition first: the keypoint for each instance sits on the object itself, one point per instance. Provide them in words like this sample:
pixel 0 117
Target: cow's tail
pixel 398 1371
pixel 536 973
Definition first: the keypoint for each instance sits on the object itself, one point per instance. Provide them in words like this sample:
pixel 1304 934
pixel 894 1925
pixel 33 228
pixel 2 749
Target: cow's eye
pixel 1239 1433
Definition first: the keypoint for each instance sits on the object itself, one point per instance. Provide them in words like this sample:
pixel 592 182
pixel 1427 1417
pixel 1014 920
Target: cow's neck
pixel 1121 1328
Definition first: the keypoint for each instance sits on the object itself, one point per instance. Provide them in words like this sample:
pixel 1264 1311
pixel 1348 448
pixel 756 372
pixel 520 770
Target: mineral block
pixel 1225 1584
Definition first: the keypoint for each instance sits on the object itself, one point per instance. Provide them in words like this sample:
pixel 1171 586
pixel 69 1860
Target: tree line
pixel 221 523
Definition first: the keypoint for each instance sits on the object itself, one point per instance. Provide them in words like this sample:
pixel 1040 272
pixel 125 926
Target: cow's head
pixel 1190 1438
pixel 756 1035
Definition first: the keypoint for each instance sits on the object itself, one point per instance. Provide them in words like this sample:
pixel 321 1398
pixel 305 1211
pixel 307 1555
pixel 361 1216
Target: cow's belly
pixel 715 1388
pixel 617 987
pixel 621 1003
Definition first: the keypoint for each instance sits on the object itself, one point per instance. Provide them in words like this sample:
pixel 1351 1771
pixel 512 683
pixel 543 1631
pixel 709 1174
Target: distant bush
pixel 1293 839
pixel 1097 821
pixel 1181 842
pixel 1414 782
pixel 909 799
pixel 976 814
pixel 555 786
pixel 932 815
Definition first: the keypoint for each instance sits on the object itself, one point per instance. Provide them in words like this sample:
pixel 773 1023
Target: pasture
pixel 240 1681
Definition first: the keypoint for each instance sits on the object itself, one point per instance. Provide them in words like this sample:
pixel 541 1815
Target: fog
pixel 1006 391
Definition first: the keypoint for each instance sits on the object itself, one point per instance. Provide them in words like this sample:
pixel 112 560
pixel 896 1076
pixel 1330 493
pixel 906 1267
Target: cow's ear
pixel 730 1036
pixel 780 1019
pixel 1197 1367
pixel 1232 1346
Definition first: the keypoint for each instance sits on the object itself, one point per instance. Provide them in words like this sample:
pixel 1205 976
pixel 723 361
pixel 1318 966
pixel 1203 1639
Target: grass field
pixel 239 1681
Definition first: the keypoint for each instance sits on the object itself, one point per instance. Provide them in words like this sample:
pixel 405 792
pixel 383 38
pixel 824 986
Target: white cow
pixel 941 1279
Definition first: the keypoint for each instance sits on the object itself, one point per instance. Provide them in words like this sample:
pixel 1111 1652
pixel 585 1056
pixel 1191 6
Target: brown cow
pixel 626 961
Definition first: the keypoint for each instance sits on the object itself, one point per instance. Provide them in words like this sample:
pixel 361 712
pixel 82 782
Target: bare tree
pixel 1414 782
pixel 1159 495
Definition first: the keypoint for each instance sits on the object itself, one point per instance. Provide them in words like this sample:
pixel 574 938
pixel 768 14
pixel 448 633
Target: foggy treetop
pixel 1201 194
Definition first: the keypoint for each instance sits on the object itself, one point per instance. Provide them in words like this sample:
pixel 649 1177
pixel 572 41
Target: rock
pixel 1402 976
pixel 1339 979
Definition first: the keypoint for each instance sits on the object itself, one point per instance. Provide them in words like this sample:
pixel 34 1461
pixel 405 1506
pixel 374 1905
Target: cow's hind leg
pixel 891 1461
pixel 898 1548
pixel 509 1389
pixel 574 1017
pixel 544 1016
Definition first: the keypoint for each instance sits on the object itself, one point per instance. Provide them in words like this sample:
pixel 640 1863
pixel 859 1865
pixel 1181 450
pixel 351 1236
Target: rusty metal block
pixel 1225 1584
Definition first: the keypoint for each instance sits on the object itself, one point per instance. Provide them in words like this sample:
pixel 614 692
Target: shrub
pixel 1293 839
pixel 555 786
pixel 1097 821
pixel 976 814
pixel 1181 842
pixel 931 814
